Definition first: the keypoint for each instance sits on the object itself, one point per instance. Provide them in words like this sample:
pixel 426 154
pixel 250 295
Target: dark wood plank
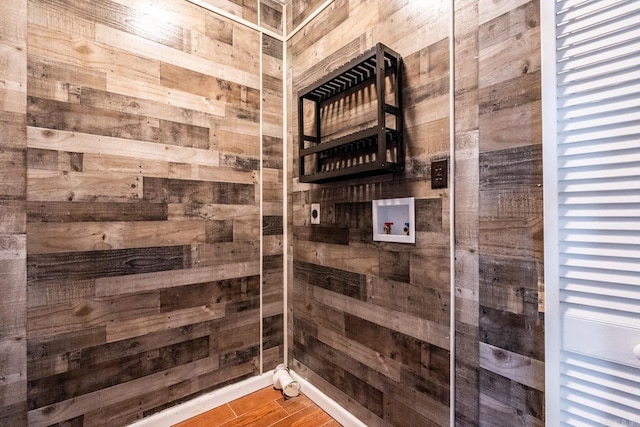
pixel 514 332
pixel 162 190
pixel 272 225
pixel 86 379
pixel 245 289
pixel 335 280
pixel 428 215
pixel 322 234
pixel 95 211
pixel 70 266
pixel 53 160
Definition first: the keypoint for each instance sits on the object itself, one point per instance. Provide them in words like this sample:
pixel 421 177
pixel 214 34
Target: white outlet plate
pixel 315 213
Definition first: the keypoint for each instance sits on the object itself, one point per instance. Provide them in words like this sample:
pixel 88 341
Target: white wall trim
pixel 285 200
pixel 327 404
pixel 550 194
pixel 235 18
pixel 452 215
pixel 206 402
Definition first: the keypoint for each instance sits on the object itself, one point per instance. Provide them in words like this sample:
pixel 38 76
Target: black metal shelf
pixel 374 150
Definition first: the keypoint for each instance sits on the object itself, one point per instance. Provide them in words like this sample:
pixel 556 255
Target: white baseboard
pixel 206 402
pixel 327 404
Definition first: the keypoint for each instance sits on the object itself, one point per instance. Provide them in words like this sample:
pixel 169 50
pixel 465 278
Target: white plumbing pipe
pixel 283 381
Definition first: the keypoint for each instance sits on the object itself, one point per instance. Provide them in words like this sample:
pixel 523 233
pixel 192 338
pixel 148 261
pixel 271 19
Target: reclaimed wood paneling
pixel 13 248
pixel 272 191
pixel 500 339
pixel 143 184
pixel 271 15
pixel 371 320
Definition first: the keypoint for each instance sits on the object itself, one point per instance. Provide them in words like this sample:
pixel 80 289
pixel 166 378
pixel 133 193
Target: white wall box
pixel 394 220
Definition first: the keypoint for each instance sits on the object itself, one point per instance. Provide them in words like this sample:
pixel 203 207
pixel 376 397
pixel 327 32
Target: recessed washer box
pixel 394 220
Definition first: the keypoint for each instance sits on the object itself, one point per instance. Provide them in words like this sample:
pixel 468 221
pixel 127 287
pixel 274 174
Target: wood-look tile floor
pixel 264 408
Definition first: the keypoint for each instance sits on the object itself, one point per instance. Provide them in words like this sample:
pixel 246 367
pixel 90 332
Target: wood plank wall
pixel 143 153
pixel 370 320
pixel 499 252
pixel 13 145
pixel 131 201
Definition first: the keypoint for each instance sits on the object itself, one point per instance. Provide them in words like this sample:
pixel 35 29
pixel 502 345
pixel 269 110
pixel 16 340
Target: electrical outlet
pixel 315 213
pixel 439 174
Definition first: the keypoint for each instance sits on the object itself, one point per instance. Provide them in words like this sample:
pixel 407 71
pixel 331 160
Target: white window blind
pixel 595 255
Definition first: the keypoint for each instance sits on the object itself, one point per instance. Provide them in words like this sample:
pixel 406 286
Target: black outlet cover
pixel 439 174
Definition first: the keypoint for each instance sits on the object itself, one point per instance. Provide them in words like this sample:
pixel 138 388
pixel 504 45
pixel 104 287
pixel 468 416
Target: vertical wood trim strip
pixel 452 216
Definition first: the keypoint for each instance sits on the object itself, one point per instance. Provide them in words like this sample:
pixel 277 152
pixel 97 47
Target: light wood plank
pixel 357 260
pixel 82 186
pixel 145 282
pixel 163 321
pixel 96 144
pixel 162 53
pixel 87 236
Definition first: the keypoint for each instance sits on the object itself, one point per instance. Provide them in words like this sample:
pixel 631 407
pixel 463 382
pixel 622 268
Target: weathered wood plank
pixel 412 356
pixel 160 280
pixel 227 92
pixel 76 266
pixel 12 172
pixel 183 171
pixel 271 15
pixel 122 18
pixel 143 325
pixel 516 333
pixel 198 192
pixel 421 329
pixel 202 294
pixel 502 398
pixel 330 365
pixel 322 234
pixel 216 65
pixel 95 211
pixel 78 314
pixel 335 280
pixel 360 260
pixel 12 282
pixel 509 58
pixel 54 160
pixel 47 237
pixel 79 405
pixel 12 217
pixel 219 254
pixel 522 370
pixel 58 186
pixel 113 123
pixel 50 139
pixel 213 212
pixel 272 225
pixel 86 53
pixel 87 378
